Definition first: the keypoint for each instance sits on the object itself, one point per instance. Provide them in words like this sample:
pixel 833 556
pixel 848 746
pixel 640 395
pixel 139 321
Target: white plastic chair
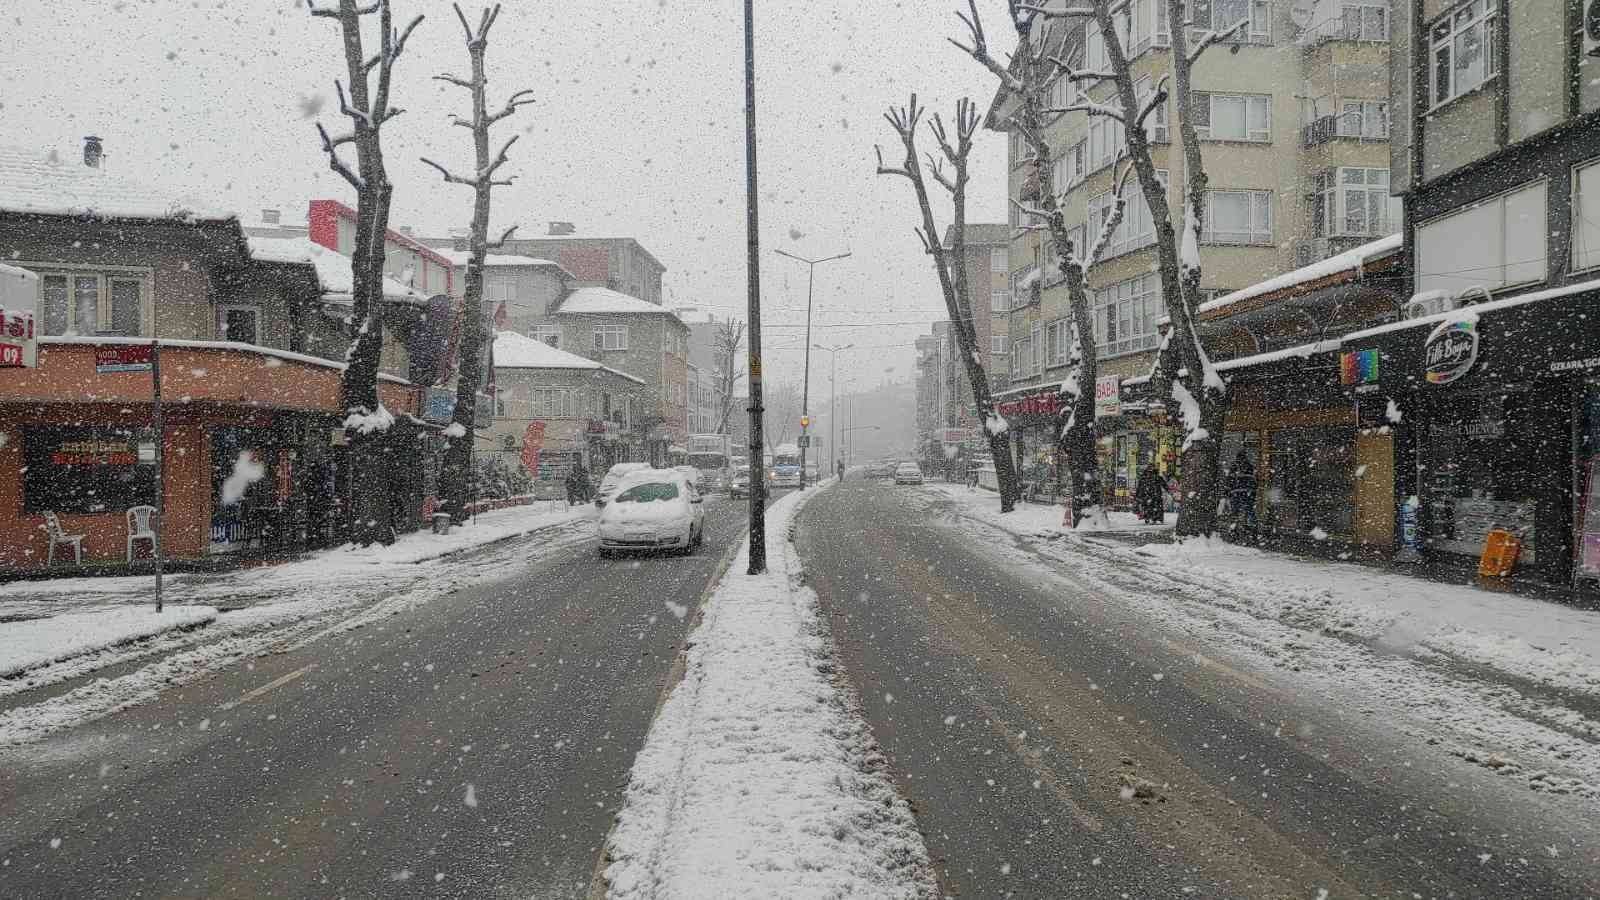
pixel 58 535
pixel 139 528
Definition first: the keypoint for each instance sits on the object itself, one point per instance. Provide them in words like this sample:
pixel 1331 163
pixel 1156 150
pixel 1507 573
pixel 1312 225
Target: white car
pixel 608 484
pixel 908 473
pixel 657 509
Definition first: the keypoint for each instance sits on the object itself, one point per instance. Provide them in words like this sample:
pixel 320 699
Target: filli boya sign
pixel 1450 351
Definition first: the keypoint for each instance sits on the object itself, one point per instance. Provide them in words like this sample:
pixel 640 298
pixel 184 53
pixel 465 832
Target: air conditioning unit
pixel 1591 28
pixel 1429 303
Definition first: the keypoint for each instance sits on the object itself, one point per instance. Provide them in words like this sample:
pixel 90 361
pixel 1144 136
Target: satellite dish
pixel 1301 13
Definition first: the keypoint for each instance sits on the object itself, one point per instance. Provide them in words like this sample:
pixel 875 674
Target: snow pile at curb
pixel 757 778
pixel 28 645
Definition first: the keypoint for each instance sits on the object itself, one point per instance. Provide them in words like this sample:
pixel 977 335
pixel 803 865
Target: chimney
pixel 560 228
pixel 271 217
pixel 93 152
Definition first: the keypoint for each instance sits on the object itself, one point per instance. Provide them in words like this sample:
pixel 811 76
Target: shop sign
pixel 532 443
pixel 1358 367
pixel 85 469
pixel 1575 365
pixel 1043 403
pixel 956 435
pixel 1107 396
pixel 438 404
pixel 18 347
pixel 122 358
pixel 1450 351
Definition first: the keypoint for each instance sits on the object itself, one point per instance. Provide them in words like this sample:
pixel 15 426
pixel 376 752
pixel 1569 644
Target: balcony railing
pixel 1331 126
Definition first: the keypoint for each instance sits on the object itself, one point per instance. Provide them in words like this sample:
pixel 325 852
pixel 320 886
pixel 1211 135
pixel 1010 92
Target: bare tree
pixel 1183 376
pixel 782 402
pixel 950 261
pixel 368 108
pixel 1040 59
pixel 726 344
pixel 454 479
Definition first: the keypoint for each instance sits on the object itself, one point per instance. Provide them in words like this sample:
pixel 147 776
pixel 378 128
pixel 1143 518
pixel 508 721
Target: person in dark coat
pixel 1148 494
pixel 577 483
pixel 1242 489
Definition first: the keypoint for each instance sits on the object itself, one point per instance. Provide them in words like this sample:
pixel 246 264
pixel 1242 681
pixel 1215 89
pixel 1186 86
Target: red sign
pixel 1041 403
pixel 16 339
pixel 122 358
pixel 532 443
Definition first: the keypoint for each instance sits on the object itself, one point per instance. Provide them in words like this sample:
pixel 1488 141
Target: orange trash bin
pixel 1500 554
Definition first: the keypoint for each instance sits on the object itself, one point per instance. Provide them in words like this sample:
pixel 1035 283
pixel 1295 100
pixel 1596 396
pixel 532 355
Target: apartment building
pixel 1294 117
pixel 621 264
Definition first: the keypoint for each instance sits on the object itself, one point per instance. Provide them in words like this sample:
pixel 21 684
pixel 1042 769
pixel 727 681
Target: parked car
pixel 883 468
pixel 608 484
pixel 908 473
pixel 652 510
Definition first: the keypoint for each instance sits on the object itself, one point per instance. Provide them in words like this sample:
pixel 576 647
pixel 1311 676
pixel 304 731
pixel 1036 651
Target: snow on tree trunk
pixel 455 476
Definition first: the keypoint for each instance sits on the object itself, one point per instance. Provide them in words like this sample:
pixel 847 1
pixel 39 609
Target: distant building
pixel 519 292
pixel 619 263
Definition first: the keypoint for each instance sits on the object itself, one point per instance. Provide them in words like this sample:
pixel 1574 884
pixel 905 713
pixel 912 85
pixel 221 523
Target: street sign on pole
pixel 803 441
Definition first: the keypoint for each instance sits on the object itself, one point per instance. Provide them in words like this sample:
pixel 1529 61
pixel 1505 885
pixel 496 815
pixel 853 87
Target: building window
pixel 1155 127
pixel 1463 42
pixel 499 288
pixel 84 303
pixel 549 334
pixel 1149 26
pixel 999 301
pixel 1365 20
pixel 555 403
pixel 239 324
pixel 1036 349
pixel 1238 217
pixel 1021 357
pixel 1106 138
pixel 1125 316
pixel 997 345
pixel 1220 15
pixel 1233 117
pixel 1137 228
pixel 1063 93
pixel 1586 217
pixel 999 260
pixel 1496 243
pixel 1058 342
pixel 611 337
pixel 1354 201
pixel 1019 148
pixel 1364 119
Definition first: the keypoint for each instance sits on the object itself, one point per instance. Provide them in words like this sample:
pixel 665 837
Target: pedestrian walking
pixel 577 483
pixel 840 467
pixel 1242 490
pixel 1148 494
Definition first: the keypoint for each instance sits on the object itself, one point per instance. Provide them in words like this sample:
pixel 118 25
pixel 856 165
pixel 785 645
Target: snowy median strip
pixel 40 642
pixel 758 779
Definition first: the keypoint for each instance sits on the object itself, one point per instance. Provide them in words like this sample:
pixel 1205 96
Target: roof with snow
pixel 43 183
pixel 518 351
pixel 604 300
pixel 980 233
pixel 1349 262
pixel 335 275
pixel 460 258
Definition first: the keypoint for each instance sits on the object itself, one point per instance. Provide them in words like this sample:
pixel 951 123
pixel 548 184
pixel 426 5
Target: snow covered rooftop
pixel 45 183
pixel 518 351
pixel 334 273
pixel 605 300
pixel 460 257
pixel 1350 260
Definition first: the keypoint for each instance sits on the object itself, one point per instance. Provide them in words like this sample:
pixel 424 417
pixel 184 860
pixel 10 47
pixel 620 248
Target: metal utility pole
pixel 805 387
pixel 158 421
pixel 833 400
pixel 758 486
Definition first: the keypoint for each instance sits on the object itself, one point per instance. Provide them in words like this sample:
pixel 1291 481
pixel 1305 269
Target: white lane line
pixel 274 683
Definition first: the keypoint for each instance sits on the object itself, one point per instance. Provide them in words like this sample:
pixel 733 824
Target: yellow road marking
pixel 274 683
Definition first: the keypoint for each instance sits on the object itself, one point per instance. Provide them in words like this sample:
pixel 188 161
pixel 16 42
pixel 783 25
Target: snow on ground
pixel 271 606
pixel 1381 644
pixel 758 779
pixel 38 642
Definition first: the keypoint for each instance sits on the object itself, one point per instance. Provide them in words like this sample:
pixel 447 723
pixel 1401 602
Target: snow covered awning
pixel 335 275
pixel 1341 268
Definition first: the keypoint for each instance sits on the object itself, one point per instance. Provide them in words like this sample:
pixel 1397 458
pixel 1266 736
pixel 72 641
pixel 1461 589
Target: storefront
pixel 1133 435
pixel 1032 416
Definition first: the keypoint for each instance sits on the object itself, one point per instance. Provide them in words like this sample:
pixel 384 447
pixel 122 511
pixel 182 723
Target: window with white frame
pixel 1499 242
pixel 554 403
pixel 1019 359
pixel 1238 217
pixel 549 334
pixel 611 337
pixel 1149 26
pixel 1586 216
pixel 1155 126
pixel 1057 342
pixel 1063 93
pixel 1125 316
pixel 1094 48
pixel 1364 119
pixel 1354 201
pixel 1219 15
pixel 1364 20
pixel 1036 349
pixel 999 259
pixel 1137 228
pixel 1000 301
pixel 1019 147
pixel 1107 137
pixel 997 345
pixel 1233 117
pixel 1463 46
pixel 499 288
pixel 90 303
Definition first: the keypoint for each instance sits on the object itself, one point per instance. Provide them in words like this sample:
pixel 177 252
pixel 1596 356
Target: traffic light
pixel 805 421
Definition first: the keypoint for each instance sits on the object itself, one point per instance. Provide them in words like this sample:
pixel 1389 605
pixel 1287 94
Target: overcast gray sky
pixel 638 130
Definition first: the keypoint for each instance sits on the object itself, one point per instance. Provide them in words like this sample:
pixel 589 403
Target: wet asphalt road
pixel 1052 745
pixel 473 746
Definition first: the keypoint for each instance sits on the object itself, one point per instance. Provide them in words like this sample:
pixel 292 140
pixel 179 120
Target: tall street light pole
pixel 805 389
pixel 758 487
pixel 833 400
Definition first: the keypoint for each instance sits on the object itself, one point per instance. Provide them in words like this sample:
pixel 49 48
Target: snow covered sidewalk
pixel 758 779
pixel 38 642
pixel 1535 640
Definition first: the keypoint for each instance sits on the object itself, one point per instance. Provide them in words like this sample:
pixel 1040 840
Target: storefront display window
pixel 1310 480
pixel 1483 470
pixel 82 470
